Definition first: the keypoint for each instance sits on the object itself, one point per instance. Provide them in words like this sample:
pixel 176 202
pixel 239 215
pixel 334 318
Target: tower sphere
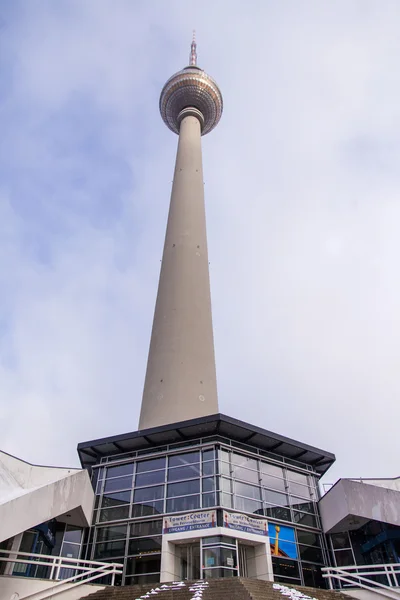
pixel 191 88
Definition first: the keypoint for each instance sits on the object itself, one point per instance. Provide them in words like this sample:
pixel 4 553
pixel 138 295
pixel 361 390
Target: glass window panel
pixel 228 557
pixel 241 460
pixel 285 567
pixel 150 465
pixel 251 491
pixel 248 505
pixel 120 483
pixel 143 564
pixel 151 507
pixel 245 474
pixel 120 470
pixel 273 482
pixel 273 470
pixel 111 533
pixel 300 504
pixel 226 500
pixel 188 458
pixel 304 519
pixel 208 484
pixel 224 465
pixel 219 556
pixel 344 558
pixel 143 545
pixel 277 512
pixel 309 538
pixel 187 472
pixel 183 503
pixel 211 557
pixel 183 488
pixel 151 493
pixel 300 490
pixel 150 478
pixel 209 468
pixel 73 534
pixel 70 550
pixel 224 455
pixel 209 500
pixel 226 484
pixel 312 576
pixel 116 499
pixel 299 477
pixel 109 549
pixel 114 514
pixel 208 454
pixel 275 498
pixel 145 528
pixel 224 469
pixel 340 540
pixel 311 553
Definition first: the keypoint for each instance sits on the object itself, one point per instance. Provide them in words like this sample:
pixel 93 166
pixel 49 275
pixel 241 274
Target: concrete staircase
pixel 235 588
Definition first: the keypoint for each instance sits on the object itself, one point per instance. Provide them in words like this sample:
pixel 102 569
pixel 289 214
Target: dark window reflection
pixel 151 478
pixel 184 459
pixel 285 567
pixel 313 576
pixel 120 470
pixel 150 465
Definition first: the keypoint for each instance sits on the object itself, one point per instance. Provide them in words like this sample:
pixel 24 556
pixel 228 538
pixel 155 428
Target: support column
pixel 180 380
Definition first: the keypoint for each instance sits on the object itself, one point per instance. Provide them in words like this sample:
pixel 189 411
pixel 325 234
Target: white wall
pixel 31 495
pixel 260 564
pixel 349 501
pixel 25 585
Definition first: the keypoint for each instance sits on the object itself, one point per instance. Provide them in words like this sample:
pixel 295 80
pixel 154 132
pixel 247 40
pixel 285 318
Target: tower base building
pixel 204 498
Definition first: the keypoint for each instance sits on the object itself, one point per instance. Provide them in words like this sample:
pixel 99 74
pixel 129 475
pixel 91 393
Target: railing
pixel 66 572
pixel 382 579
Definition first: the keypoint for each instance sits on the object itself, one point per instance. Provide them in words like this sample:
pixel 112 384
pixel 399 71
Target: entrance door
pixel 243 572
pixel 190 561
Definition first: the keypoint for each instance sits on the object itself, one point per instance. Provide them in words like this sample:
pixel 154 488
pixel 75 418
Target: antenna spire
pixel 193 51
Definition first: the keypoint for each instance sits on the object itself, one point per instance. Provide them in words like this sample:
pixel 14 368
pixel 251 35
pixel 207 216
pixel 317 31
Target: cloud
pixel 302 187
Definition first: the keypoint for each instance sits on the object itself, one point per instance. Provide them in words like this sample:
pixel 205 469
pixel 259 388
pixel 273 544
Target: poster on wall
pixel 190 521
pixel 245 523
pixel 282 540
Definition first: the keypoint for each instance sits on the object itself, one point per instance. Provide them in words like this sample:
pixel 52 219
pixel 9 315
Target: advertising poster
pixel 282 540
pixel 190 521
pixel 245 523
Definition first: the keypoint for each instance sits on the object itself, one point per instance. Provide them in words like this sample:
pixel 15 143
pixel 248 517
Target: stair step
pixel 235 588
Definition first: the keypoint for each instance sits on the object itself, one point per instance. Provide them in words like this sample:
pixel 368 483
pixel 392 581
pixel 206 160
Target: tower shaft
pixel 180 379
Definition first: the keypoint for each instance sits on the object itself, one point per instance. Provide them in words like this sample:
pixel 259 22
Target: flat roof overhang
pixel 91 452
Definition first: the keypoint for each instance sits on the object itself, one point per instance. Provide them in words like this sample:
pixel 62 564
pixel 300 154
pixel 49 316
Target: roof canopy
pixel 91 452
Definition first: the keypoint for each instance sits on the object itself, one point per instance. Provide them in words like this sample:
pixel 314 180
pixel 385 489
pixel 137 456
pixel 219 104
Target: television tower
pixel 180 379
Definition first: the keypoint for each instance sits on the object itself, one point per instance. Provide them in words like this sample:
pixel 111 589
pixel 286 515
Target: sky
pixel 302 184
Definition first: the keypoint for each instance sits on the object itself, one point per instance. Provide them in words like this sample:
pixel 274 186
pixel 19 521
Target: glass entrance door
pixel 190 561
pixel 219 557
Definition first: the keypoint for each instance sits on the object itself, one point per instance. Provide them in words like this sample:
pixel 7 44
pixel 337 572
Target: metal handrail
pixel 357 575
pixel 85 570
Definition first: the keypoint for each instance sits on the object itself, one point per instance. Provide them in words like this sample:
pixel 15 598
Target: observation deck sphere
pixel 191 88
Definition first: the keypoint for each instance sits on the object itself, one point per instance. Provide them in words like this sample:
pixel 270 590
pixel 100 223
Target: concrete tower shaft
pixel 181 379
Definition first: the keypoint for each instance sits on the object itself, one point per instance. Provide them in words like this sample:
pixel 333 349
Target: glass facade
pixel 133 493
pixel 373 543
